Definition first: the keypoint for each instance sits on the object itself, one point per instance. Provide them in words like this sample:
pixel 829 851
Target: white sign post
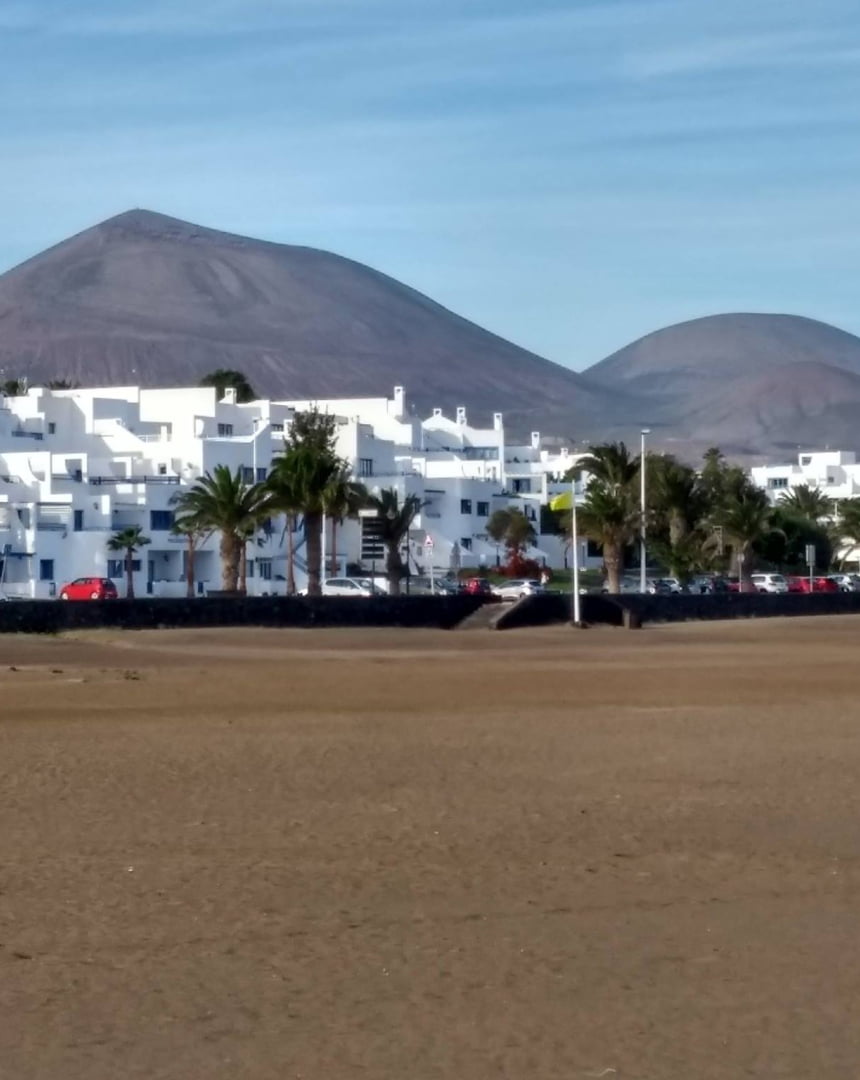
pixel 428 548
pixel 810 562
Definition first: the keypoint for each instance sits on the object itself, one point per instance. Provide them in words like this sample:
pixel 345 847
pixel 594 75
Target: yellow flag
pixel 561 502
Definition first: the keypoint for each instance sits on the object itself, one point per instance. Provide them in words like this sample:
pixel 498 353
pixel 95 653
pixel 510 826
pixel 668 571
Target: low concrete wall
pixel 54 616
pixel 632 609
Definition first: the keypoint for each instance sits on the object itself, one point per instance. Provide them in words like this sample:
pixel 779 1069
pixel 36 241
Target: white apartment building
pixel 836 473
pixel 78 465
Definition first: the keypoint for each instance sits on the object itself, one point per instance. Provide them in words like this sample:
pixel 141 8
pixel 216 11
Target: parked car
pixel 89 588
pixel 478 586
pixel 709 584
pixel 770 583
pixel 847 582
pixel 517 588
pixel 346 586
pixel 802 584
pixel 675 585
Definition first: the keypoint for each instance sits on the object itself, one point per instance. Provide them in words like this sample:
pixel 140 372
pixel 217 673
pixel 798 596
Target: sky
pixel 570 175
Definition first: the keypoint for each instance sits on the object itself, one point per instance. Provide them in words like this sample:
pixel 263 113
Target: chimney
pixel 498 421
pixel 437 412
pixel 229 395
pixel 535 440
pixel 399 401
pixel 461 414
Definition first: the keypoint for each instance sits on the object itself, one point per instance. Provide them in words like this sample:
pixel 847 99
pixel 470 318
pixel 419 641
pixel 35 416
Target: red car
pixel 89 588
pixel 798 584
pixel 478 586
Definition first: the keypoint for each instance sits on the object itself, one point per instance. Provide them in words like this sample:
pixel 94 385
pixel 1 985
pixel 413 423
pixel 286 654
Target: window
pixel 262 473
pixel 277 427
pixel 247 474
pixel 465 506
pixel 249 568
pixel 160 520
pixel 365 466
pixel 162 470
pixel 78 525
pixel 264 569
pixel 52 429
pixel 831 479
pixel 483 509
pixel 46 569
pixel 778 482
pixel 805 459
pixel 225 431
pixel 116 567
pixel 466 543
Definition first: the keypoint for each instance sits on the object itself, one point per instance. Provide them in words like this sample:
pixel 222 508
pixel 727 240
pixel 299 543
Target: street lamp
pixel 643 584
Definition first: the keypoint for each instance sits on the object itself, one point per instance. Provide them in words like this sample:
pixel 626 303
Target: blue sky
pixel 568 174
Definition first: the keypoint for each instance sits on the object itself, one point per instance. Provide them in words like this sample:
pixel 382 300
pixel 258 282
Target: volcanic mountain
pixel 144 298
pixel 148 299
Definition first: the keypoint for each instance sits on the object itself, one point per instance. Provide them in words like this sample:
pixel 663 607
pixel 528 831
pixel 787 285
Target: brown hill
pixel 144 298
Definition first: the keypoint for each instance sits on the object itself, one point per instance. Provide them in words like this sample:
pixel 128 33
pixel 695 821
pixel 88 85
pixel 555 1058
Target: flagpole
pixel 574 539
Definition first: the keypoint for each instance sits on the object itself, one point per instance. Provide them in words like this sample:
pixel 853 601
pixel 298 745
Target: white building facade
pixel 76 466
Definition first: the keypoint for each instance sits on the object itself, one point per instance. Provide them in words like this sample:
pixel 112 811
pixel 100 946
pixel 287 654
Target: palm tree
pixel 343 498
pixel 611 518
pixel 129 541
pixel 677 504
pixel 221 501
pixel 194 535
pixel 283 497
pixel 510 526
pixel 808 502
pixel 13 387
pixel 846 530
pixel 745 517
pixel 395 520
pixel 610 513
pixel 306 474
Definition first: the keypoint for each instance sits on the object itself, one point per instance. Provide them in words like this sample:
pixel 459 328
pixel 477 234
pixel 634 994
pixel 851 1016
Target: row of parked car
pixel 761 582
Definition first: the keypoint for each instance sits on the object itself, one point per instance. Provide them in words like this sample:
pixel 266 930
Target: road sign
pixel 810 554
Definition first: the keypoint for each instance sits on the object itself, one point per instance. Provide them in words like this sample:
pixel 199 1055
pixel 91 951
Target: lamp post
pixel 643 584
pixel 574 547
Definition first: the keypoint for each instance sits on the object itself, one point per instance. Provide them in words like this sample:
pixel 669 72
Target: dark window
pixel 277 427
pixel 483 509
pixel 161 520
pixel 116 567
pixel 249 568
pixel 162 470
pixel 52 429
pixel 264 568
pixel 465 506
pixel 365 466
pixel 262 473
pixel 46 569
pixel 225 430
pixel 247 474
pixel 78 521
pixel 466 543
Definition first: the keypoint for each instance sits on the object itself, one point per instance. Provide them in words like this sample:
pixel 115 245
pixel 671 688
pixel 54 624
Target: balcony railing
pixel 99 480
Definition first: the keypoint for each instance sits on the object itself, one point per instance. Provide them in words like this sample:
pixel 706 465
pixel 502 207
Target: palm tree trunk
pixel 243 566
pixel 189 568
pixel 229 562
pixel 129 573
pixel 313 533
pixel 333 546
pixel 613 560
pixel 393 566
pixel 291 555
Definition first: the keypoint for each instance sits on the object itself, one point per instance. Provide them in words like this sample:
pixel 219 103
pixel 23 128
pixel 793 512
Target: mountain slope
pixel 150 299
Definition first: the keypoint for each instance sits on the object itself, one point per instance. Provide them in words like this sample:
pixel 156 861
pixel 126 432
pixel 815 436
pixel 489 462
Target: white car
pixel 347 586
pixel 769 583
pixel 518 588
pixel 847 582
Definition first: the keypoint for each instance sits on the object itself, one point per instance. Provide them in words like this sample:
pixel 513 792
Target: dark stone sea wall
pixel 634 610
pixel 54 616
